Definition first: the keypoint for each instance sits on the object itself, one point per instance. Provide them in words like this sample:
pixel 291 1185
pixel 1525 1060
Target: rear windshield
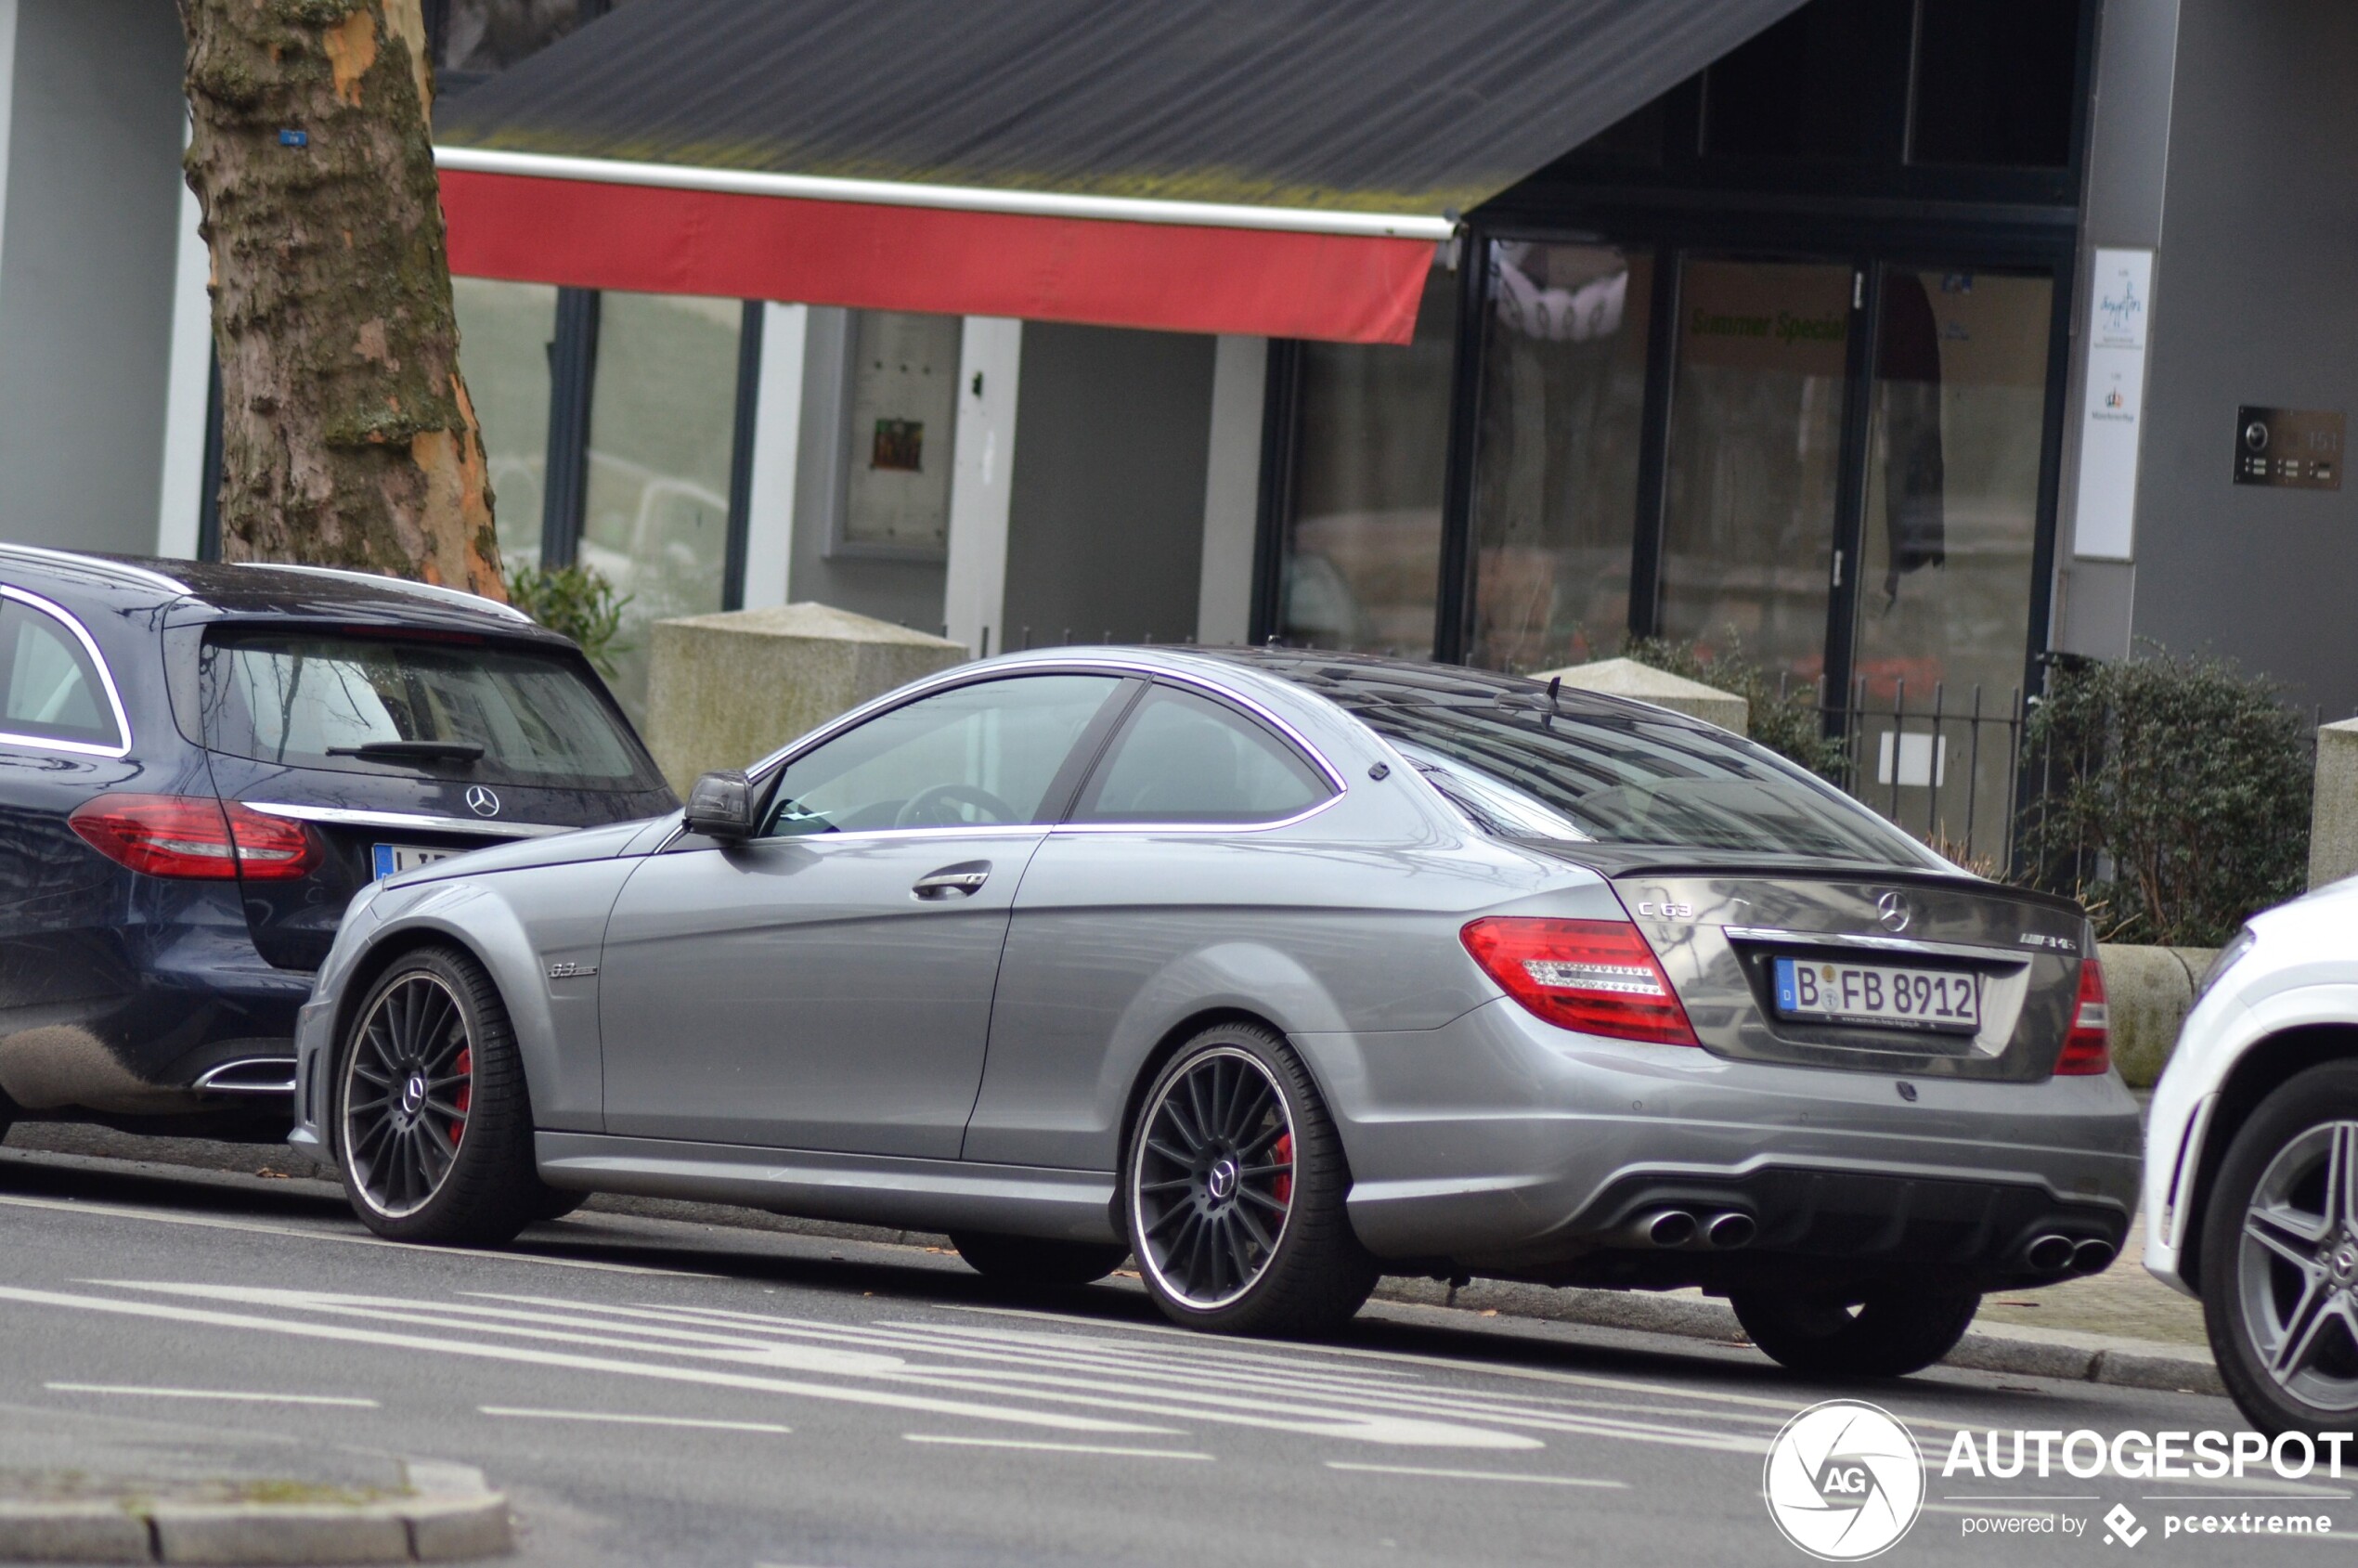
pixel 1518 768
pixel 459 708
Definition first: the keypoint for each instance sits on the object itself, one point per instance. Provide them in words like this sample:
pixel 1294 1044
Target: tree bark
pixel 346 435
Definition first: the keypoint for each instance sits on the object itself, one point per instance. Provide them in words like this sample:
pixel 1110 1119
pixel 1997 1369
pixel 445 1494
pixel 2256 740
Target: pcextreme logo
pixel 1844 1481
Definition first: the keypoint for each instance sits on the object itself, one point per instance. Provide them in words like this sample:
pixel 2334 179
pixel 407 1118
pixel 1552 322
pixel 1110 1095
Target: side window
pixel 49 688
pixel 1186 759
pixel 974 755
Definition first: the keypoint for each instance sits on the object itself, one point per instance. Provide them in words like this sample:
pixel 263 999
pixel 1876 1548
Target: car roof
pixel 264 591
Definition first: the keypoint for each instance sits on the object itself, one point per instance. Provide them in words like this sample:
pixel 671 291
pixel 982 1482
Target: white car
pixel 2251 1163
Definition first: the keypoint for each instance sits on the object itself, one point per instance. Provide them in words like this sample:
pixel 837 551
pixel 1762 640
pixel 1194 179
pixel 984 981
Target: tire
pixel 559 1203
pixel 1230 1235
pixel 441 1151
pixel 1025 1261
pixel 2279 1262
pixel 1893 1331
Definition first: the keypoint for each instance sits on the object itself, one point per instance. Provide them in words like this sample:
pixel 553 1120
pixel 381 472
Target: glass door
pixel 1753 479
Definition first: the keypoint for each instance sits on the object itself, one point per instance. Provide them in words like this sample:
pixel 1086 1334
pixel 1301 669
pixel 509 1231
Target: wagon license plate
pixel 1879 993
pixel 393 858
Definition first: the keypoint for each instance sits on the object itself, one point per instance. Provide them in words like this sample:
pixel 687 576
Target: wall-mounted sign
pixel 2120 303
pixel 2293 449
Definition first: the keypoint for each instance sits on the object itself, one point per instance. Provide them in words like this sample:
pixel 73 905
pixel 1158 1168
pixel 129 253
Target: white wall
pixel 1232 491
pixel 973 599
pixel 188 385
pixel 777 450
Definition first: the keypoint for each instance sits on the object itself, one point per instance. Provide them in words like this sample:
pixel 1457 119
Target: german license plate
pixel 1878 994
pixel 393 858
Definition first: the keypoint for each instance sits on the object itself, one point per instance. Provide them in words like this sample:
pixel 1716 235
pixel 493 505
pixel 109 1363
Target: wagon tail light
pixel 2088 1048
pixel 189 836
pixel 1596 976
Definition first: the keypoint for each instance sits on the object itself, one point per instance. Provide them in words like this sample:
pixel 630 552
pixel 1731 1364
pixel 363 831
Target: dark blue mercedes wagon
pixel 200 764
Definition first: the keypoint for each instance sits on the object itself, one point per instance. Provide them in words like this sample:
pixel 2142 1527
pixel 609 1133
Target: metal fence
pixel 1944 766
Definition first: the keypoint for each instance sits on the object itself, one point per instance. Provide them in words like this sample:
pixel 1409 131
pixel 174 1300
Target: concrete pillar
pixel 1232 491
pixel 725 690
pixel 187 389
pixel 975 597
pixel 2333 822
pixel 777 454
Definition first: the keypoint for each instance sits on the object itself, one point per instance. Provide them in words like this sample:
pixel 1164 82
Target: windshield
pixel 462 709
pixel 1520 769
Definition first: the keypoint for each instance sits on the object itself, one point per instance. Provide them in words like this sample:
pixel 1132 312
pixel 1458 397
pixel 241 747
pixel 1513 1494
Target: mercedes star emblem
pixel 482 803
pixel 1892 911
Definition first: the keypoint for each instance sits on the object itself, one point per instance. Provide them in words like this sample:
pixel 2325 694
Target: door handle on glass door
pixel 953 881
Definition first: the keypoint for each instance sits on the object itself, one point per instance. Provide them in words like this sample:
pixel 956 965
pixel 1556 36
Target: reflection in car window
pixel 500 714
pixel 53 690
pixel 1186 759
pixel 1525 768
pixel 970 756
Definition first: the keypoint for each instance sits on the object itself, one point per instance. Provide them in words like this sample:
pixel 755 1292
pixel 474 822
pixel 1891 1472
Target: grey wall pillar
pixel 87 254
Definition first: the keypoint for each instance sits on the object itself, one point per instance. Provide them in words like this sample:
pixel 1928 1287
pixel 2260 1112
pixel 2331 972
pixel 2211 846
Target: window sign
pixel 2120 305
pixel 904 397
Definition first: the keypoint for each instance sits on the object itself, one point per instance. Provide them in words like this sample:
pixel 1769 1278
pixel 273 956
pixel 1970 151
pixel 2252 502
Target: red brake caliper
pixel 1282 1153
pixel 465 1098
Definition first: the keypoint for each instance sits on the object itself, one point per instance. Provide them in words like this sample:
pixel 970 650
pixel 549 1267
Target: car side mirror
pixel 720 806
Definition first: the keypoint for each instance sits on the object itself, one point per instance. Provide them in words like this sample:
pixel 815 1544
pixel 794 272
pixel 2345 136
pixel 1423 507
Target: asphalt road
pixel 652 1391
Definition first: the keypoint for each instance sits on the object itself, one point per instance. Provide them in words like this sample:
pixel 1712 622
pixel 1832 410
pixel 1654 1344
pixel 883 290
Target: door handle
pixel 953 881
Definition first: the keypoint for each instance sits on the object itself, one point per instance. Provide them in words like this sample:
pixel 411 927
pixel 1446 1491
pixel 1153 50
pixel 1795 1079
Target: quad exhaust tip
pixel 1674 1228
pixel 2092 1255
pixel 2053 1254
pixel 1730 1230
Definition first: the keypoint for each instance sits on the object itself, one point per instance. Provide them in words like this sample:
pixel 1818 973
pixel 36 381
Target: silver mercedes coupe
pixel 1279 970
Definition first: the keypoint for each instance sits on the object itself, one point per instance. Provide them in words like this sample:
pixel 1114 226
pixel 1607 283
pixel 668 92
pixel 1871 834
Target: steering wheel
pixel 924 808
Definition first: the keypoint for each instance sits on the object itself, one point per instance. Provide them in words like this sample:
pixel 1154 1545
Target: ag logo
pixel 1844 1481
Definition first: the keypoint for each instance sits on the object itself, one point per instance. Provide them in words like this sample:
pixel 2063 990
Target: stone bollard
pixel 1627 678
pixel 725 690
pixel 2148 993
pixel 2333 822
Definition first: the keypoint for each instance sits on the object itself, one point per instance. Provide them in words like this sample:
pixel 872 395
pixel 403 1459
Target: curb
pixel 451 1517
pixel 2034 1353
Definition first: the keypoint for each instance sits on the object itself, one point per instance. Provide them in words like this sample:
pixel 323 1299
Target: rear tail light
pixel 2088 1048
pixel 1596 976
pixel 184 835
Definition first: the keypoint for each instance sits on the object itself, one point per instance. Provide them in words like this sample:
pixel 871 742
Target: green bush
pixel 577 602
pixel 2177 797
pixel 1787 723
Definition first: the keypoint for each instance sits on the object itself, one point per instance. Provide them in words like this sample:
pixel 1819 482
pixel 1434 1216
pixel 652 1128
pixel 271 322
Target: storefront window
pixel 662 427
pixel 1363 556
pixel 1755 443
pixel 1951 522
pixel 504 335
pixel 1556 474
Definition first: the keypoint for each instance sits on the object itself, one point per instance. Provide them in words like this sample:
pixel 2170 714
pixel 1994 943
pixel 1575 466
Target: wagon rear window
pixel 466 709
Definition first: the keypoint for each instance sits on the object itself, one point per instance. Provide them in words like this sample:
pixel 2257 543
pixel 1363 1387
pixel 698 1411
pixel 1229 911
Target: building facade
pixel 1895 343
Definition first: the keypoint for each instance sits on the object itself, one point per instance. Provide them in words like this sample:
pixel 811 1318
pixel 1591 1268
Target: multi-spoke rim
pixel 409 1085
pixel 1211 1179
pixel 2297 1271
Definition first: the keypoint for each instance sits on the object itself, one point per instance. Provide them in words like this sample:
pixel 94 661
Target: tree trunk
pixel 346 435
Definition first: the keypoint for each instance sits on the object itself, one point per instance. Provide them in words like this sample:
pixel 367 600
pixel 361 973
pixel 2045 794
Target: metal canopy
pixel 1271 166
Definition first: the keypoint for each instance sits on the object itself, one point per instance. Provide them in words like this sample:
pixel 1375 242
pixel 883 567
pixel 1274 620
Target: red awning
pixel 1176 267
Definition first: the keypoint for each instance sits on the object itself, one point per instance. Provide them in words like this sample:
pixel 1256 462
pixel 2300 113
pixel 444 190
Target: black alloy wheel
pixel 433 1127
pixel 1236 1188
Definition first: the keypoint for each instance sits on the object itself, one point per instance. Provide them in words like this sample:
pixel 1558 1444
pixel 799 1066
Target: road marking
pixel 709 1377
pixel 344 1400
pixel 1056 1447
pixel 207 1222
pixel 630 1420
pixel 1480 1475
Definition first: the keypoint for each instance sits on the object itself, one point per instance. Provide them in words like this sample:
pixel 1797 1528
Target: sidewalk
pixel 2123 1326
pixel 78 1487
